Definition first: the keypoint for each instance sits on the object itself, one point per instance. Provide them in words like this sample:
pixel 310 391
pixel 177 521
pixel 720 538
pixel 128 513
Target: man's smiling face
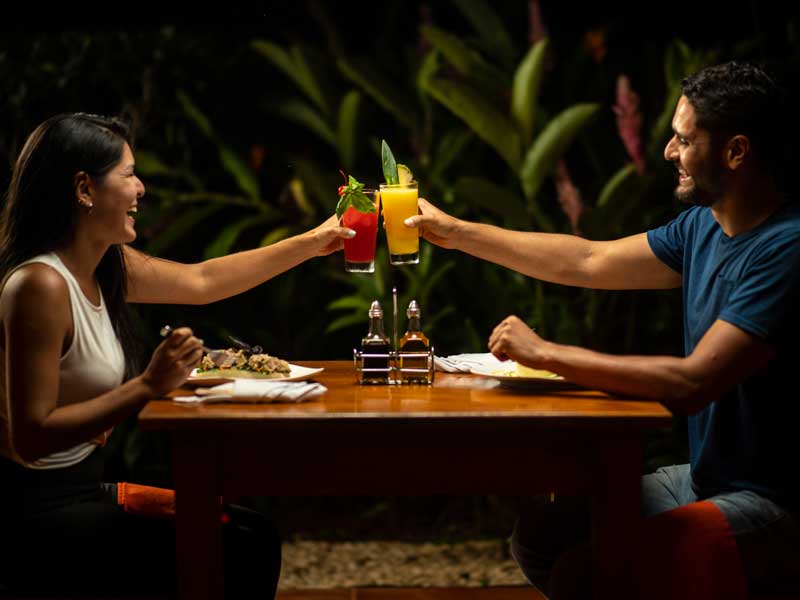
pixel 701 176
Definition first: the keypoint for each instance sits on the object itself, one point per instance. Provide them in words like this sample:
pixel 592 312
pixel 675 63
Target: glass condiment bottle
pixel 375 342
pixel 412 342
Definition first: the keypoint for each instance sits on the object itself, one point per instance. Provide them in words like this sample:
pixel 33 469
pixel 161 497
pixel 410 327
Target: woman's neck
pixel 82 260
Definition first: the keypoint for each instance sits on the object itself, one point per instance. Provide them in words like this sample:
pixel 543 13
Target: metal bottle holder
pixel 394 373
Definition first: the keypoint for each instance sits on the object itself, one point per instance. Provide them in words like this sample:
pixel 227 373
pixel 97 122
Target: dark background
pixel 141 58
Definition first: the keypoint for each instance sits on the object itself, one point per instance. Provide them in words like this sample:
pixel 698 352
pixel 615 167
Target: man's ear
pixel 737 150
pixel 83 189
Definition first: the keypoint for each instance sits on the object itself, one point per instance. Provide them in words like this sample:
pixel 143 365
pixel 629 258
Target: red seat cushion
pixel 688 553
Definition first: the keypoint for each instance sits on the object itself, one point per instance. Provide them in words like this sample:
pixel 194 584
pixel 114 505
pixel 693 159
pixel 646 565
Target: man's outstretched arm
pixel 627 263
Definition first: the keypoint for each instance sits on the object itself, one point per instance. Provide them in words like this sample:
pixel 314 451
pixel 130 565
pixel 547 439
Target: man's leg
pixel 546 529
pixel 551 539
pixel 667 488
pixel 768 539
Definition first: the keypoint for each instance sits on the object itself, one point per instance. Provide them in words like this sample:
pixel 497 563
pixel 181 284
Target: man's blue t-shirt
pixel 743 441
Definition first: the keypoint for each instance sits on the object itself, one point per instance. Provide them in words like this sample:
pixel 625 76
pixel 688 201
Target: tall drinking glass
pixel 399 201
pixel 359 252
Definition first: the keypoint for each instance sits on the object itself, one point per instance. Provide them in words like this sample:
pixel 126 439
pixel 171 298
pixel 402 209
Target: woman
pixel 67 366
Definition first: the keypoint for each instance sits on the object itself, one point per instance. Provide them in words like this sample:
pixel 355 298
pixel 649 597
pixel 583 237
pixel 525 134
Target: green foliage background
pixel 241 129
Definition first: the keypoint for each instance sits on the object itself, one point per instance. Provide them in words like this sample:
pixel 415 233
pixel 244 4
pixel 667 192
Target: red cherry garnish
pixel 342 189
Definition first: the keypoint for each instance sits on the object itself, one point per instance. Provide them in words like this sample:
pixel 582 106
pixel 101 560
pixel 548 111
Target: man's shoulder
pixel 693 217
pixel 782 230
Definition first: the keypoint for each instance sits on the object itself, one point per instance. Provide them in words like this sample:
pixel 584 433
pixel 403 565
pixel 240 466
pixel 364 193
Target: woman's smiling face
pixel 114 200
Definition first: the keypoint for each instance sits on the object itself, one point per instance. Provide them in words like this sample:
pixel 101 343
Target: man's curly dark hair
pixel 742 98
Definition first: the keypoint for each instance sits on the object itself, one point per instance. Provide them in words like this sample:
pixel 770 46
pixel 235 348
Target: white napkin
pixel 464 363
pixel 255 390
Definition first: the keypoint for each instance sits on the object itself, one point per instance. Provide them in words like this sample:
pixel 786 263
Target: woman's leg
pixel 92 547
pixel 252 549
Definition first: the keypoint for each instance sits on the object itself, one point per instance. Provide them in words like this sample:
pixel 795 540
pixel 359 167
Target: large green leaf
pixel 676 58
pixel 551 144
pixel 616 184
pixel 427 69
pixel 172 196
pixel 463 58
pixel 240 171
pixel 321 181
pixel 348 302
pixel 276 55
pixel 477 112
pixel 188 220
pixel 525 90
pixel 482 193
pixel 276 235
pixel 294 66
pixel 346 321
pixel 229 159
pixel 347 129
pixel 195 114
pixel 490 28
pixel 223 243
pixel 679 61
pixel 663 125
pixel 150 165
pixel 449 149
pixel 307 81
pixel 620 195
pixel 297 190
pixel 431 281
pixel 380 88
pixel 305 115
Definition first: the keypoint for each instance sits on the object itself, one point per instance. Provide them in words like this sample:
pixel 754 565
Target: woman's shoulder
pixel 36 283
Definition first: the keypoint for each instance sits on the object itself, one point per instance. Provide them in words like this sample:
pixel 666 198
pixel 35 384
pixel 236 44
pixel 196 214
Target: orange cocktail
pixel 399 201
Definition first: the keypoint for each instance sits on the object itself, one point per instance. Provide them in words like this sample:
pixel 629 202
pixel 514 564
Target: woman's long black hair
pixel 40 211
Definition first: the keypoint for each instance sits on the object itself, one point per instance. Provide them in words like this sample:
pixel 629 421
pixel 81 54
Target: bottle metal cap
pixel 413 309
pixel 375 309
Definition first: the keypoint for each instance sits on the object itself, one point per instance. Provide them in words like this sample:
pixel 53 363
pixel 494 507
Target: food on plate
pixel 241 363
pixel 522 371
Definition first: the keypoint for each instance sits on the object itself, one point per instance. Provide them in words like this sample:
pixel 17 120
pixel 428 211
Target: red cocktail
pixel 359 252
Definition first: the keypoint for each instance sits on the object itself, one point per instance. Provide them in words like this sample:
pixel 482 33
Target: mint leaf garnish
pixel 362 203
pixel 353 195
pixel 389 164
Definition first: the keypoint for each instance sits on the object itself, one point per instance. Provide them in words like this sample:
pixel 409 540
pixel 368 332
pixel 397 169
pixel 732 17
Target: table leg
pixel 616 513
pixel 198 514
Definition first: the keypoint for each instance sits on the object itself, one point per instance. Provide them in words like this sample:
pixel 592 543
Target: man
pixel 736 254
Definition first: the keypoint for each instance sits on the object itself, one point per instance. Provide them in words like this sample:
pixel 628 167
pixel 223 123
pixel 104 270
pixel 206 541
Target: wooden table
pixel 463 435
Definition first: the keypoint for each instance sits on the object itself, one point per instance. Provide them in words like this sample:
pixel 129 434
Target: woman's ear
pixel 737 150
pixel 83 189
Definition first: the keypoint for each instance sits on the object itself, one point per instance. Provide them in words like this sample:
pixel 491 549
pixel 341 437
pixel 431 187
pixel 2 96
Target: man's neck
pixel 746 206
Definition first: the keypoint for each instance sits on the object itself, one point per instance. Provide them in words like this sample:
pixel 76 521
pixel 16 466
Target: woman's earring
pixel 87 205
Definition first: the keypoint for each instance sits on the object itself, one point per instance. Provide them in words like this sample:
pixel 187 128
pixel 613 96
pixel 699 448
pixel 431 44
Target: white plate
pixel 527 383
pixel 296 373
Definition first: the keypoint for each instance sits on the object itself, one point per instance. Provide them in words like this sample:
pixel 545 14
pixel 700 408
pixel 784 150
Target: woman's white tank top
pixel 93 364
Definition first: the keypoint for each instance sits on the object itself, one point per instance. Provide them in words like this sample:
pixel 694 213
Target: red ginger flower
pixel 629 121
pixel 538 29
pixel 569 196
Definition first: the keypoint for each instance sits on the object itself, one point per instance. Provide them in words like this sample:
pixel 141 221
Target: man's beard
pixel 705 193
pixel 695 196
